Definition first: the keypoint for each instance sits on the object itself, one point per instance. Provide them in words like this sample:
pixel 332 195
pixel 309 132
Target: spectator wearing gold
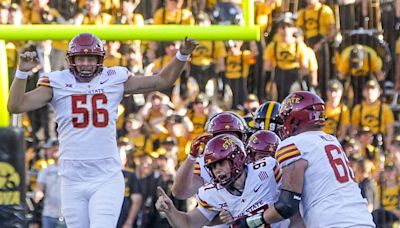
pixel 198 115
pixel 312 70
pixel 318 23
pixel 154 113
pixel 39 12
pixel 170 49
pixel 126 14
pixel 208 58
pixel 173 13
pixel 375 114
pixel 113 57
pixel 286 57
pixel 390 192
pixel 367 150
pixel 397 78
pixel 138 135
pixel 360 63
pixel 93 15
pixel 237 64
pixel 337 113
pixel 264 13
pixel 107 6
pixel 178 126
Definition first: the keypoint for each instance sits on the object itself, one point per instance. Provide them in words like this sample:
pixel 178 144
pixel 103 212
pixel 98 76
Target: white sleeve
pixel 41 176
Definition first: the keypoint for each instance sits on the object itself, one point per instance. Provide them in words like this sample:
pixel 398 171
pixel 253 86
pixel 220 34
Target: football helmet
pixel 262 142
pixel 301 111
pixel 221 147
pixel 267 116
pixel 85 44
pixel 226 122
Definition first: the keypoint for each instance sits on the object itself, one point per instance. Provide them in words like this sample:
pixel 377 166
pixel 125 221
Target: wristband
pixel 191 157
pixel 256 220
pixel 21 74
pixel 180 57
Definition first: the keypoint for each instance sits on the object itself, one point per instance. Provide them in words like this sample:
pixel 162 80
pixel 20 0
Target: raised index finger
pixel 160 192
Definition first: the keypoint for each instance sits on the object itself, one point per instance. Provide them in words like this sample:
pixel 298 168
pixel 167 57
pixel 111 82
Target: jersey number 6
pixel 339 162
pixel 79 108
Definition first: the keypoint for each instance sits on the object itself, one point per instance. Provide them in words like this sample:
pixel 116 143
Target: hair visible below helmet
pixel 267 117
pixel 223 147
pixel 85 44
pixel 262 142
pixel 301 111
pixel 226 122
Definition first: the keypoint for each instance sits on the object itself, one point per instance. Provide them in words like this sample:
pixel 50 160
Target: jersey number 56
pixel 80 108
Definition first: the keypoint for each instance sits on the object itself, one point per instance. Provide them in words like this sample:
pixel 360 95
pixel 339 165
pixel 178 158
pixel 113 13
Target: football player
pixel 85 98
pixel 240 189
pixel 191 175
pixel 267 117
pixel 261 144
pixel 316 176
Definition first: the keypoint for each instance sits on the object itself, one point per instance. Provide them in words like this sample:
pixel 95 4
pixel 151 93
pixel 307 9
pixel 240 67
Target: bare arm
pixel 165 78
pixel 19 101
pixel 193 218
pixel 292 180
pixel 186 183
pixel 137 200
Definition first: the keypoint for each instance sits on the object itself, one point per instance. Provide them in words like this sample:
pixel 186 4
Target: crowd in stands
pixel 345 51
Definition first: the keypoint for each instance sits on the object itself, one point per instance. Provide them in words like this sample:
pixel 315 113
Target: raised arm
pixel 19 101
pixel 193 218
pixel 186 183
pixel 167 76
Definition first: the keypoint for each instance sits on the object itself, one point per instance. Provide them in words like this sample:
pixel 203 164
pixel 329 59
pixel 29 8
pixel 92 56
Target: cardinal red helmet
pixel 301 111
pixel 223 147
pixel 262 142
pixel 226 122
pixel 267 117
pixel 85 44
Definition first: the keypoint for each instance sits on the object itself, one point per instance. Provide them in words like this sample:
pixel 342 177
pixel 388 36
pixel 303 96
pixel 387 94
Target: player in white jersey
pixel 192 174
pixel 315 171
pixel 85 99
pixel 240 189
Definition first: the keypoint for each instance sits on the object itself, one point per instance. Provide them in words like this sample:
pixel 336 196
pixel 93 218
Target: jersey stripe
pixel 204 204
pixel 43 81
pixel 277 173
pixel 197 169
pixel 268 115
pixel 287 152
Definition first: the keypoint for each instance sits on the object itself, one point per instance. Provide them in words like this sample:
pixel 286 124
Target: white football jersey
pixel 330 196
pixel 260 191
pixel 200 170
pixel 86 113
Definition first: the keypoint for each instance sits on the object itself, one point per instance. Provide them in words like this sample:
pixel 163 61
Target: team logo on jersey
pixel 224 204
pixel 9 183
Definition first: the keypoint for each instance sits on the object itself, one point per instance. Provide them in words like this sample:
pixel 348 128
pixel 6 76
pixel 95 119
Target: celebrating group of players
pixel 239 180
pixel 248 178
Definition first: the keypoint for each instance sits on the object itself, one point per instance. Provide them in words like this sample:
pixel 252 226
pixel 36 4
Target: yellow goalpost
pixel 246 32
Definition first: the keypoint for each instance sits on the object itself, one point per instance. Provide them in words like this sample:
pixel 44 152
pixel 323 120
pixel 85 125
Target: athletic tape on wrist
pixel 191 157
pixel 183 58
pixel 21 74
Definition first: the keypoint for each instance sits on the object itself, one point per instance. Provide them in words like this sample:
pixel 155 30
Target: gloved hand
pixel 199 143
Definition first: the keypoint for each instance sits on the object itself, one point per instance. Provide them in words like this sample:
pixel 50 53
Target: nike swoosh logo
pixel 101 83
pixel 257 188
